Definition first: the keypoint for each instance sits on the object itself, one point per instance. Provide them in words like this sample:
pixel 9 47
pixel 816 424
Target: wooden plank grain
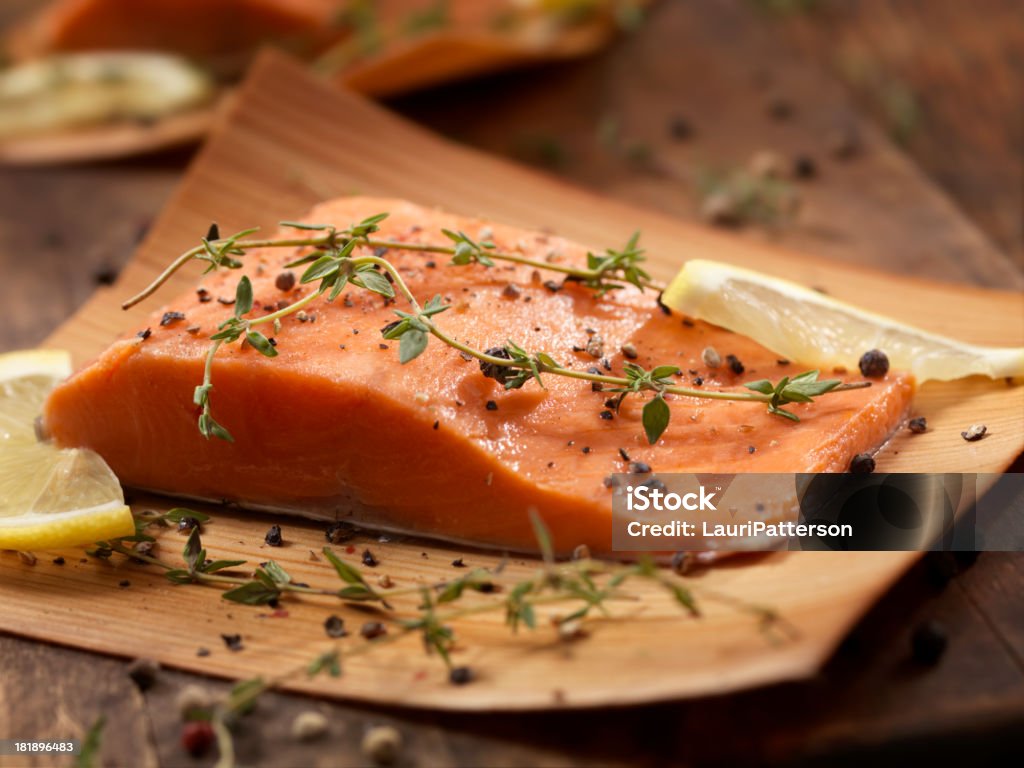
pixel 653 652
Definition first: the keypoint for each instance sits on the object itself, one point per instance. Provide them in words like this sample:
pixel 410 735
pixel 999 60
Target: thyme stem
pixel 192 253
pixel 709 394
pixel 220 578
pixel 285 311
pixel 510 257
pixel 331 238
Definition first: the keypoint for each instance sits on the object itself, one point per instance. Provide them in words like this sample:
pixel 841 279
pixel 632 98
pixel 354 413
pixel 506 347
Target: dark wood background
pixel 932 88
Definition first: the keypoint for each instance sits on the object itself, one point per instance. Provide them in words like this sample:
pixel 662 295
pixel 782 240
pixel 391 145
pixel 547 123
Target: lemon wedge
pixel 49 497
pixel 813 329
pixel 83 89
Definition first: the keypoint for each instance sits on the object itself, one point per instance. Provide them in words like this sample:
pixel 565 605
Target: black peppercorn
pixel 460 675
pixel 804 167
pixel 187 524
pixel 682 562
pixel 665 308
pixel 285 281
pixel 369 560
pixel 105 275
pixel 143 673
pixel 874 364
pixel 273 536
pixel 334 626
pixel 339 532
pixel 862 464
pixel 734 364
pixel 918 425
pixel 500 373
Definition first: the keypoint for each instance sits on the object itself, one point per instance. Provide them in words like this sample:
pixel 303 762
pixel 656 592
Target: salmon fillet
pixel 199 28
pixel 336 428
pixel 219 28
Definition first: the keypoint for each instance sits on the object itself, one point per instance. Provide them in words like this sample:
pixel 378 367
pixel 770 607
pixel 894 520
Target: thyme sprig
pixel 334 264
pixel 591 584
pixel 616 268
pixel 799 389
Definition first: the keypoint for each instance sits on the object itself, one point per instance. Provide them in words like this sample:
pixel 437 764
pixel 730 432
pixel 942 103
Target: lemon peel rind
pixel 67 529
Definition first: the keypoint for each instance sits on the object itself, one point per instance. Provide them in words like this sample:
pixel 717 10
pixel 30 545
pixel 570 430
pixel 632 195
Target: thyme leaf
pixel 656 415
pixel 357 588
pixel 253 593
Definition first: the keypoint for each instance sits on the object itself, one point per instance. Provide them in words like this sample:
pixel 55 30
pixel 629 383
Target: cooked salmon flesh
pixel 335 427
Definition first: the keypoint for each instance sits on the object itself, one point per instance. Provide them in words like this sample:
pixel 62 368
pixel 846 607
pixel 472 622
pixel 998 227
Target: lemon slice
pixel 816 330
pixel 75 90
pixel 49 497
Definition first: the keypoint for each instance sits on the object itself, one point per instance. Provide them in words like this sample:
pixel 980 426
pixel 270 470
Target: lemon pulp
pixel 50 497
pixel 813 329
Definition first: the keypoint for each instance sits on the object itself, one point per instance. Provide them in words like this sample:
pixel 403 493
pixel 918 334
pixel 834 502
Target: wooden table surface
pixel 940 79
